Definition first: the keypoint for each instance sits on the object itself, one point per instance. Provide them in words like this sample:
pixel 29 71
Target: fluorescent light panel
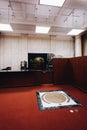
pixel 40 29
pixel 52 2
pixel 5 27
pixel 75 32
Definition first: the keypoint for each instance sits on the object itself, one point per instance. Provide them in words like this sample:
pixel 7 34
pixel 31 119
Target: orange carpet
pixel 19 110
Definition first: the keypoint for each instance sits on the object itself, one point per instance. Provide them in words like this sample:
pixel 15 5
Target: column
pixel 78 46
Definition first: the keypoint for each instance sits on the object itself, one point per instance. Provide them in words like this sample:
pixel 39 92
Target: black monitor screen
pixel 37 61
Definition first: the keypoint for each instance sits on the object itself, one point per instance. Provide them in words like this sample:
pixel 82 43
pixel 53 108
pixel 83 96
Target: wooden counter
pixel 24 78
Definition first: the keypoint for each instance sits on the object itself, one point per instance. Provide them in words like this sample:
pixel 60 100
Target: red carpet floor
pixel 19 110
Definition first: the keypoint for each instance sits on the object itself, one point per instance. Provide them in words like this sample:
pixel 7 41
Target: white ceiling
pixel 24 15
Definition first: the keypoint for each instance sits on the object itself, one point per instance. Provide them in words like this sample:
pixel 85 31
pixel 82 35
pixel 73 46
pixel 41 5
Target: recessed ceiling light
pixel 5 27
pixel 52 2
pixel 40 29
pixel 75 32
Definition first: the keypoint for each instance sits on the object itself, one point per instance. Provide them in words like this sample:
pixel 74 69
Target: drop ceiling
pixel 24 15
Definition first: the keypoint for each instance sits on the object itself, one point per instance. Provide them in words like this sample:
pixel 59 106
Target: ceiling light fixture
pixel 40 29
pixel 75 32
pixel 52 2
pixel 5 27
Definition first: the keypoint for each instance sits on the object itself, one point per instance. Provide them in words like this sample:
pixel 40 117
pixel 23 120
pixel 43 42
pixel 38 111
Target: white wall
pixel 62 46
pixel 14 49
